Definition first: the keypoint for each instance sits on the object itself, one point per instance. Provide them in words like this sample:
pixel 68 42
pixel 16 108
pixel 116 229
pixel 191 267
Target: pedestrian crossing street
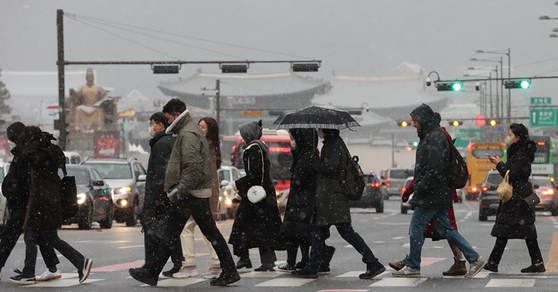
pixel 281 279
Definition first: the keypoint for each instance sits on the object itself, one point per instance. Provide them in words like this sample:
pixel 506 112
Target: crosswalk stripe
pixel 262 274
pixel 285 282
pixel 510 283
pixel 174 282
pixel 399 282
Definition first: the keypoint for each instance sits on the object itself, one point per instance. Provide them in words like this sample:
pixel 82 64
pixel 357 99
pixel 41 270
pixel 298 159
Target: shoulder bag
pixel 505 190
pixel 257 193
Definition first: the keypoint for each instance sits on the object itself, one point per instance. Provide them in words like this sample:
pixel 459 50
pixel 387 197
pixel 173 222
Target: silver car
pixel 394 179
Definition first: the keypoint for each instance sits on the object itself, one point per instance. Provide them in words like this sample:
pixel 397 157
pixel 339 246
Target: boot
pixel 323 267
pixel 457 269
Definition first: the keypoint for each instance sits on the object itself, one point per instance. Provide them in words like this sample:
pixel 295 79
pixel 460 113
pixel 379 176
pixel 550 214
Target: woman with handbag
pixel 515 219
pixel 257 220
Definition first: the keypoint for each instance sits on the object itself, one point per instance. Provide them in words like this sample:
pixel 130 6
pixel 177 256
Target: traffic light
pixel 456 123
pixel 449 86
pixel 493 122
pixel 403 123
pixel 409 148
pixel 522 84
pixel 415 144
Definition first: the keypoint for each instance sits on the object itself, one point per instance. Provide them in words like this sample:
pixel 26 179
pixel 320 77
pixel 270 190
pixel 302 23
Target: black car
pixel 373 194
pixel 488 198
pixel 94 198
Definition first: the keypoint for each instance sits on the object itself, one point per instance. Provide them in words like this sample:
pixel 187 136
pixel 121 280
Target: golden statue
pixel 90 107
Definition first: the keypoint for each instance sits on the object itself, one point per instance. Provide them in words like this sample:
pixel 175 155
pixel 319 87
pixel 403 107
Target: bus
pixel 479 165
pixel 543 164
pixel 280 157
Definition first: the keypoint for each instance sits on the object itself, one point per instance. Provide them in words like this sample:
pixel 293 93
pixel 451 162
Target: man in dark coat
pixel 332 208
pixel 155 196
pixel 433 194
pixel 17 196
pixel 256 224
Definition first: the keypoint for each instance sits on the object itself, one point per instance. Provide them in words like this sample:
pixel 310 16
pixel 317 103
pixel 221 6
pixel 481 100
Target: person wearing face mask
pixel 515 220
pixel 155 196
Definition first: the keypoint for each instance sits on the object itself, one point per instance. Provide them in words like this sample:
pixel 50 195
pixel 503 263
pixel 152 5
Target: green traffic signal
pixel 521 84
pixel 524 84
pixel 457 86
pixel 449 86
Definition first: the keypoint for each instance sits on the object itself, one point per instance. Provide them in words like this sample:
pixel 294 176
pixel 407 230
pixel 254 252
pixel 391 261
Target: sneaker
pixel 187 272
pixel 48 275
pixel 305 273
pixel 286 268
pixel 407 272
pixel 143 275
pixel 212 273
pixel 475 267
pixel 491 267
pixel 20 279
pixel 225 279
pixel 534 269
pixel 398 265
pixel 170 273
pixel 457 269
pixel 372 271
pixel 265 268
pixel 84 273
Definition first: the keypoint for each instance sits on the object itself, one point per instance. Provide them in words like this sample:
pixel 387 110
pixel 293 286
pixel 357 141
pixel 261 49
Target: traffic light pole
pixel 62 139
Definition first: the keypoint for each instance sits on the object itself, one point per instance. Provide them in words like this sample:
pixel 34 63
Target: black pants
pixel 154 238
pixel 321 233
pixel 32 237
pixel 178 213
pixel 267 254
pixel 10 234
pixel 500 245
pixel 292 250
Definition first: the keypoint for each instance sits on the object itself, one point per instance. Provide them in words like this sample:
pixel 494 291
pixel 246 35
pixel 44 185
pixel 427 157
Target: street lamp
pixel 483 94
pixel 498 100
pixel 501 102
pixel 553 35
pixel 545 17
pixel 509 75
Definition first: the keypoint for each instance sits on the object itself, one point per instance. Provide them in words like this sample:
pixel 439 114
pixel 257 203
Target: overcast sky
pixel 356 38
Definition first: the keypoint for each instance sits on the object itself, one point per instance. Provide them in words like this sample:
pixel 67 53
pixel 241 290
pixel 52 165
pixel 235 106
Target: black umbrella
pixel 316 117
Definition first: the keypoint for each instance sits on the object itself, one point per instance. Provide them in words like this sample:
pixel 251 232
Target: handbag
pixel 532 201
pixel 257 193
pixel 505 190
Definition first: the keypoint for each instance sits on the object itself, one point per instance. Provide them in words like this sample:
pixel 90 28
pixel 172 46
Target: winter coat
pixel 214 199
pixel 332 206
pixel 15 186
pixel 44 210
pixel 304 181
pixel 161 147
pixel 431 185
pixel 515 219
pixel 189 168
pixel 256 225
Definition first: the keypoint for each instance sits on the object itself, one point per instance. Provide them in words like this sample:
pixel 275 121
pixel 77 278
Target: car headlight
pixel 123 190
pixel 81 198
pixel 228 202
pixel 123 203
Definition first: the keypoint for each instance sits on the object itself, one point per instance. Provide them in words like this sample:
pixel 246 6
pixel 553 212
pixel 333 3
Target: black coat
pixel 15 186
pixel 431 185
pixel 304 181
pixel 515 219
pixel 332 206
pixel 256 225
pixel 161 147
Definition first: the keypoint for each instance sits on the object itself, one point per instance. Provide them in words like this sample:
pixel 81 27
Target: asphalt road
pixel 116 250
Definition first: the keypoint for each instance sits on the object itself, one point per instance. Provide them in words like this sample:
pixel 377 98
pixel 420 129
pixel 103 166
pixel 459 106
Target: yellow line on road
pixel 552 263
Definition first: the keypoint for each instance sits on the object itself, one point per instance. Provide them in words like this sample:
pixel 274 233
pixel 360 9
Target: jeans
pixel 421 217
pixel 178 213
pixel 321 233
pixel 500 245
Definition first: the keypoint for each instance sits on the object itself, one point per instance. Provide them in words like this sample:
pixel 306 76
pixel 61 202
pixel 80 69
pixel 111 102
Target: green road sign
pixel 541 100
pixel 543 117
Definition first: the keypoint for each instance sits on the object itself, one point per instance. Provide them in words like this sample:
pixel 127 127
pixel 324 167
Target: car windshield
pixel 225 175
pixel 113 171
pixel 400 173
pixel 1 175
pixel 494 179
pixel 82 178
pixel 370 179
pixel 542 181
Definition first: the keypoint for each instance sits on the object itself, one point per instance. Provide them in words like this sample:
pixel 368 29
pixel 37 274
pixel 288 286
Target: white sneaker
pixel 407 272
pixel 213 273
pixel 475 267
pixel 187 272
pixel 48 275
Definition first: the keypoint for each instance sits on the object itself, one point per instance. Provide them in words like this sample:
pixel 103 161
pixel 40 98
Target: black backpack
pixel 353 181
pixel 458 174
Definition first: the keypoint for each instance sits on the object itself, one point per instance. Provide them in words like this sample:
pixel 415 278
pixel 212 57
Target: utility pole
pixel 392 150
pixel 61 84
pixel 218 101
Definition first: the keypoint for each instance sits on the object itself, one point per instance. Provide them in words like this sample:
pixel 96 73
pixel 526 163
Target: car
pixel 72 157
pixel 394 178
pixel 372 195
pixel 406 206
pixel 3 201
pixel 545 190
pixel 227 208
pixel 126 178
pixel 94 198
pixel 488 198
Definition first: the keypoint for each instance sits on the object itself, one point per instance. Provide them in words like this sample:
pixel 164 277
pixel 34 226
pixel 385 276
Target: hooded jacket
pixel 189 168
pixel 161 147
pixel 431 185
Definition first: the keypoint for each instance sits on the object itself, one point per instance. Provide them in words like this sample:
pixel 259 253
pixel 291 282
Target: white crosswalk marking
pixel 285 282
pixel 510 283
pixel 262 274
pixel 399 282
pixel 67 280
pixel 174 282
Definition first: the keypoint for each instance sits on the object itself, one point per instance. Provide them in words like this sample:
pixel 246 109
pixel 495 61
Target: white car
pixel 227 208
pixel 3 207
pixel 406 206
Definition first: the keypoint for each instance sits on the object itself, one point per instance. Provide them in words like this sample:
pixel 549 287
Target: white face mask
pixel 151 131
pixel 509 140
pixel 12 144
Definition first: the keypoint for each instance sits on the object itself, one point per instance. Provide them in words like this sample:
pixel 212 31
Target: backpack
pixel 458 174
pixel 353 181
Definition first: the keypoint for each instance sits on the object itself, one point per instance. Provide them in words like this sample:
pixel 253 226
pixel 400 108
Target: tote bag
pixel 505 190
